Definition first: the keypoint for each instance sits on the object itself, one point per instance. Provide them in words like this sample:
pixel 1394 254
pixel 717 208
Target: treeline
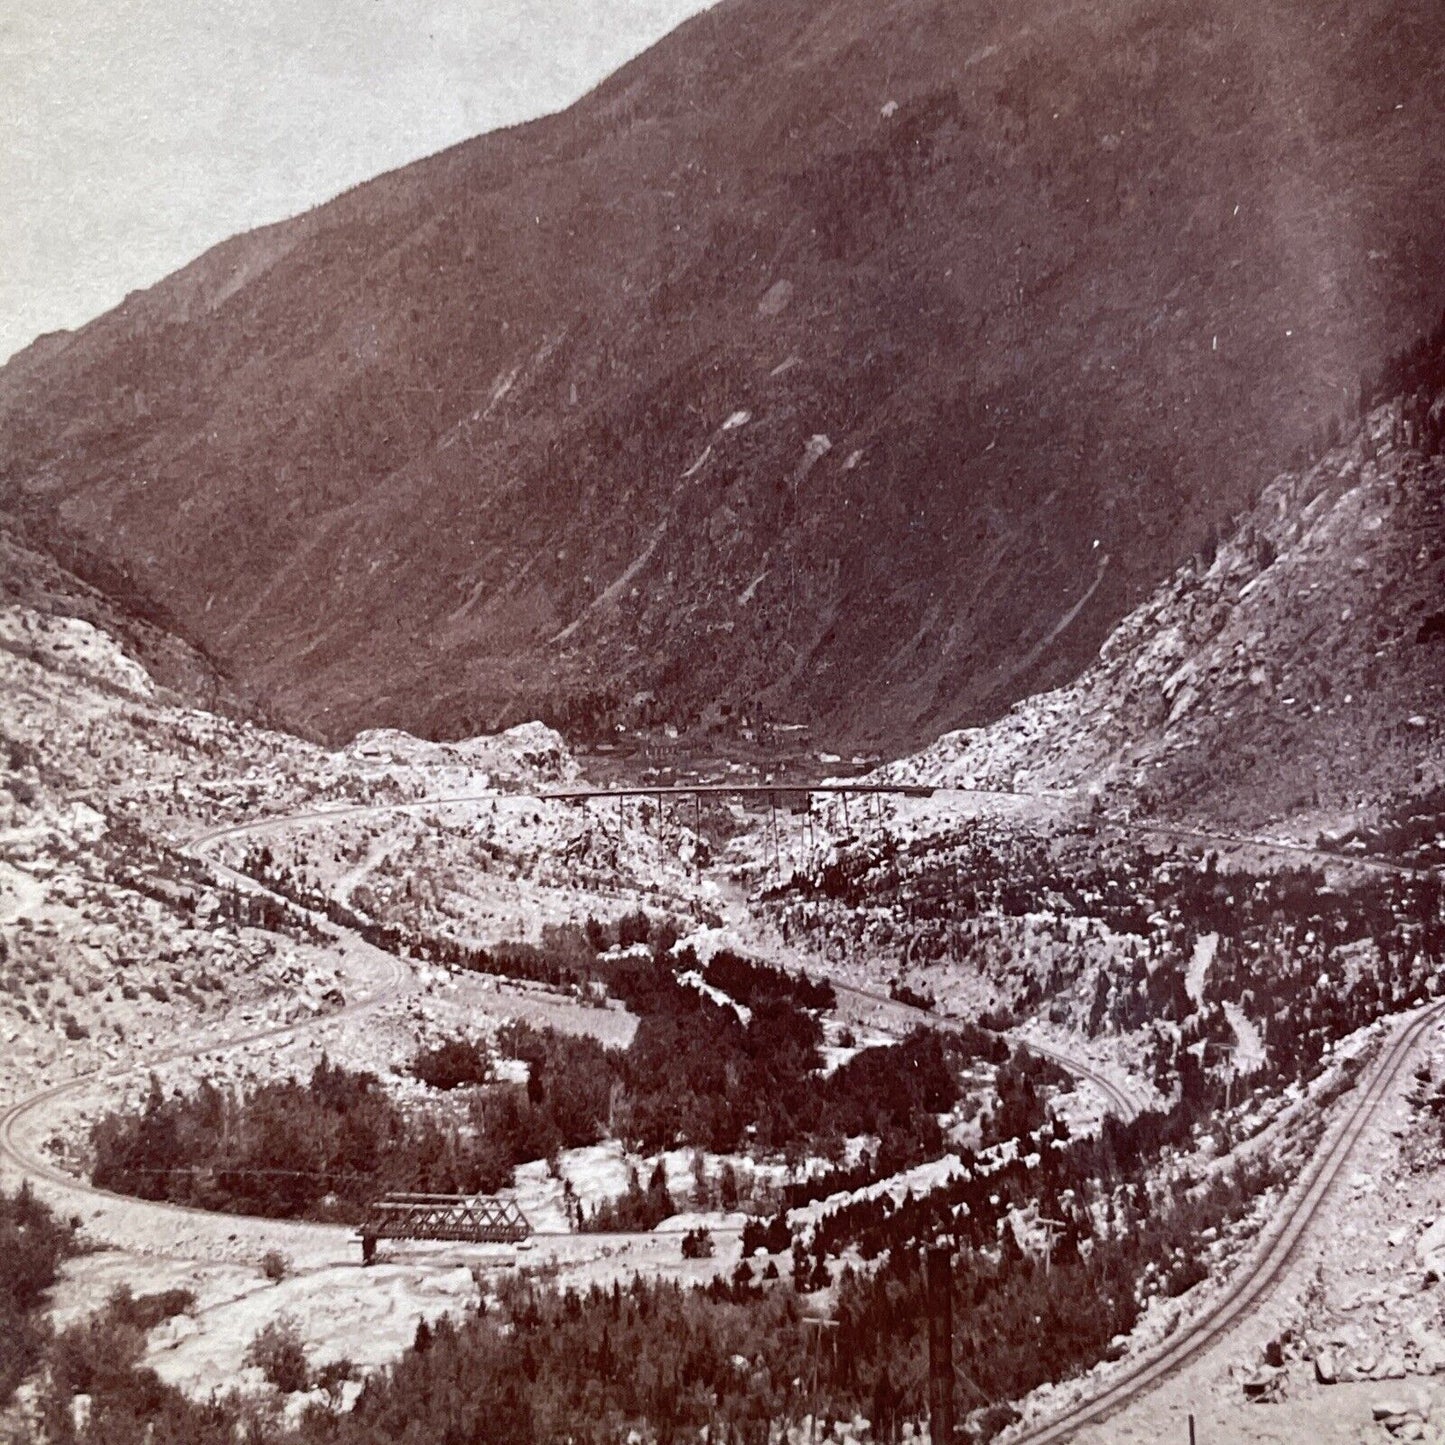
pixel 596 1365
pixel 319 1149
pixel 1416 375
pixel 752 983
pixel 324 1148
pixel 139 864
pixel 569 957
pixel 1022 1321
pixel 1029 1309
pixel 735 1358
pixel 1310 964
pixel 569 963
pixel 539 1365
pixel 636 1209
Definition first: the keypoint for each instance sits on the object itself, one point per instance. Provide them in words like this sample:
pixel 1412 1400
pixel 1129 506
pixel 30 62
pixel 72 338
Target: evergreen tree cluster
pixel 1308 961
pixel 735 1357
pixel 33 1243
pixel 695 1074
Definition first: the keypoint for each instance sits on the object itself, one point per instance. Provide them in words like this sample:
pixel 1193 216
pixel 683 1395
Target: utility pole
pixel 1232 1050
pixel 940 1344
pixel 820 1328
pixel 1051 1228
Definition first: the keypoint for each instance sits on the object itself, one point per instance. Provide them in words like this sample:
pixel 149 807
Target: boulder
pixel 1391 1367
pixel 1264 1385
pixel 1430 1251
pixel 1391 1407
pixel 1326 1370
pixel 170 1333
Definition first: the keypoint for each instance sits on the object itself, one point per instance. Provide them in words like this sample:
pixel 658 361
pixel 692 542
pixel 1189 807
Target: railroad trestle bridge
pixel 781 799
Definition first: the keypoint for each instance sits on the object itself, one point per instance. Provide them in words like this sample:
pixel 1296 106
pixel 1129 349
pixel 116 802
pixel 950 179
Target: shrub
pixel 454 1064
pixel 332 1376
pixel 275 1266
pixel 697 1244
pixel 146 1311
pixel 773 1237
pixel 32 1244
pixel 279 1352
pixel 94 1356
pixel 633 928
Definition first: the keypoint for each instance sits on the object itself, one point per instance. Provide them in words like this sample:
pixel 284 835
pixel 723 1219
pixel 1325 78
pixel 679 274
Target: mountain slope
pixel 837 360
pixel 36 581
pixel 1296 674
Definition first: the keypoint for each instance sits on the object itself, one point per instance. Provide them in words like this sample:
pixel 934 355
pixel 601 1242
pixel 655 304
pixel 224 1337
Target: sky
pixel 136 133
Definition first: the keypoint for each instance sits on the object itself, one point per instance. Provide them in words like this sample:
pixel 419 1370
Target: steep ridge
pixel 35 580
pixel 1295 671
pixel 837 361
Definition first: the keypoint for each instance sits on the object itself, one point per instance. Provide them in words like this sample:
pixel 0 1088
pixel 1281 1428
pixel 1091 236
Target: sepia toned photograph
pixel 722 723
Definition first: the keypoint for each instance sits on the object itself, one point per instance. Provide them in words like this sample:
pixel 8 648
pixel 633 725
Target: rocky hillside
pixel 35 580
pixel 1295 670
pixel 836 361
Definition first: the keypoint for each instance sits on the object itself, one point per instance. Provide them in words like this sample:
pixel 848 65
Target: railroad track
pixel 35 1165
pixel 1120 1104
pixel 1276 1252
pixel 1115 1098
pixel 1366 861
pixel 393 980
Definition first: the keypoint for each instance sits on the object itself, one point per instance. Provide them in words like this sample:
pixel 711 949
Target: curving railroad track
pixel 13 1116
pixel 1273 1256
pixel 1115 1098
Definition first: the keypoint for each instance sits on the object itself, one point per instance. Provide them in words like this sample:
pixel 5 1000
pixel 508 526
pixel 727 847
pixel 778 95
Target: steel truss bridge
pixel 460 1218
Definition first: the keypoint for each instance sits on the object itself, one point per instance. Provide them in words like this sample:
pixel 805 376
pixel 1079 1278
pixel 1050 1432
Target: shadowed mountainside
pixel 844 361
pixel 1294 671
